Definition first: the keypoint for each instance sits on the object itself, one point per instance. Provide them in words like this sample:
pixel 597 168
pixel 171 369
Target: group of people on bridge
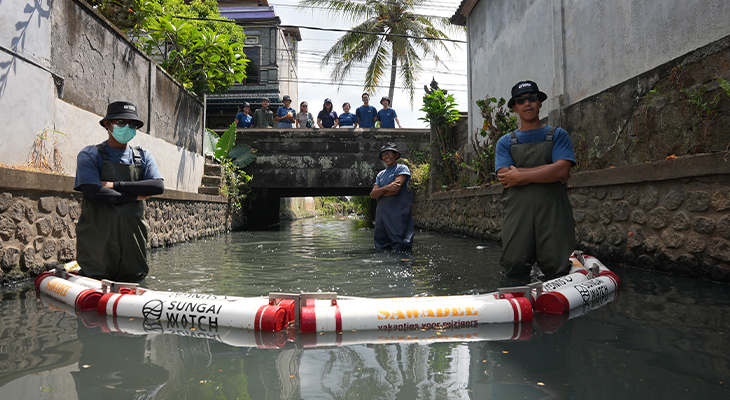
pixel 365 116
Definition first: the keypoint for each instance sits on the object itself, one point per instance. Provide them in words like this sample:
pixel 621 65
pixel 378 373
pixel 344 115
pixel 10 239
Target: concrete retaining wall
pixel 670 216
pixel 61 63
pixel 575 49
pixel 38 215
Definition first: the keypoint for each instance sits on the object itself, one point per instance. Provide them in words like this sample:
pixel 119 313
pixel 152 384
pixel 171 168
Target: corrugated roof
pixel 461 14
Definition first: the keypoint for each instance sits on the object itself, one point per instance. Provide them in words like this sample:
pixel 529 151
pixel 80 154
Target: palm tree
pixel 393 32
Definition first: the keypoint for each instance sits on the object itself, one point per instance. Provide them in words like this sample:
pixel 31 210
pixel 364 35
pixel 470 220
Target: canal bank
pixel 38 215
pixel 663 337
pixel 669 216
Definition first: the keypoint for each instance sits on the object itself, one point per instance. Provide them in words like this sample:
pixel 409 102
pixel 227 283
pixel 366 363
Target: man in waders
pixel 111 235
pixel 533 164
pixel 393 217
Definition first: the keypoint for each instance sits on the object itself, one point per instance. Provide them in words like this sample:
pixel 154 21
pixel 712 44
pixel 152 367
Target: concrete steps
pixel 211 182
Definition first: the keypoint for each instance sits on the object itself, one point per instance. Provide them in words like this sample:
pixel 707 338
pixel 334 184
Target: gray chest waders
pixel 111 239
pixel 537 219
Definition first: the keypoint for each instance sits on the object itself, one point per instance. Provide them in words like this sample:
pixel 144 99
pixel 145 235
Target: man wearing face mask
pixel 115 178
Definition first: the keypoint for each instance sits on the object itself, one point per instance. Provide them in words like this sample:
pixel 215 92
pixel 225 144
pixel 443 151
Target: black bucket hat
pixel 246 104
pixel 121 110
pixel 388 147
pixel 286 97
pixel 523 87
pixel 385 98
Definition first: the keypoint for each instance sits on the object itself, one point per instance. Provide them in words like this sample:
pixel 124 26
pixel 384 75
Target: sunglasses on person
pixel 532 98
pixel 122 123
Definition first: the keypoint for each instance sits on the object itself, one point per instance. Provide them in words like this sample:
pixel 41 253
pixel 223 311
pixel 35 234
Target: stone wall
pixel 38 215
pixel 670 216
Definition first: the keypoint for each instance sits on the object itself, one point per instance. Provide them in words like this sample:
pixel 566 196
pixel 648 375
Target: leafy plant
pixel 233 184
pixel 190 39
pixel 201 59
pixel 441 114
pixel 129 16
pixel 226 142
pixel 725 85
pixel 419 174
pixel 696 97
pixel 706 110
pixel 233 159
pixel 498 121
pixel 225 147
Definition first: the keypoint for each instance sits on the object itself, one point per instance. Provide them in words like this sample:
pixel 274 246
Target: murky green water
pixel 661 338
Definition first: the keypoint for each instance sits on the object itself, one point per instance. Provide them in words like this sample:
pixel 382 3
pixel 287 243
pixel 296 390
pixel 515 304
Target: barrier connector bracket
pixel 300 299
pixel 108 286
pixel 537 286
pixel 593 271
pixel 60 271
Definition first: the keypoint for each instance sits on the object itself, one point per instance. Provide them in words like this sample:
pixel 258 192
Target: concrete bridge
pixel 318 162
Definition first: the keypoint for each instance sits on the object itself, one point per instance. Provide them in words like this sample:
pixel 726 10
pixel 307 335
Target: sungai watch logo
pixel 152 309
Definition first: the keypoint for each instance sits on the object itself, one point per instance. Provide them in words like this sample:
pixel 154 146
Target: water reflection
pixel 663 337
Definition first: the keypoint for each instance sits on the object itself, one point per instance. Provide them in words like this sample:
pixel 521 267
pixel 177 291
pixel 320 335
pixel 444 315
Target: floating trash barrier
pixel 588 285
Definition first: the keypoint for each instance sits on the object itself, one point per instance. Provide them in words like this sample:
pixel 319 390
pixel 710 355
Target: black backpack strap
pixel 513 138
pixel 102 151
pixel 550 134
pixel 137 155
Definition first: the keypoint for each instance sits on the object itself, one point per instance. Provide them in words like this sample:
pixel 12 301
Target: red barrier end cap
pixel 552 303
pixel 40 278
pixel 273 319
pixel 101 306
pixel 288 305
pixel 525 308
pixel 308 320
pixel 88 300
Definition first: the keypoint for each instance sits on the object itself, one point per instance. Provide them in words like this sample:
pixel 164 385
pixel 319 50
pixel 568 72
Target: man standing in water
pixel 111 234
pixel 393 217
pixel 533 164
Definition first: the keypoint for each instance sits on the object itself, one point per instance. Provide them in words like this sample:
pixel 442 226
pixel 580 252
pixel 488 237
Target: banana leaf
pixel 210 141
pixel 226 142
pixel 242 155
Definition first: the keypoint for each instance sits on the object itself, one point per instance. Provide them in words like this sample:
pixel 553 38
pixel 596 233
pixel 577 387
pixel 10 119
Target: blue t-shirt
pixel 244 121
pixel 328 118
pixel 387 118
pixel 89 161
pixel 389 174
pixel 562 147
pixel 365 116
pixel 281 112
pixel 348 119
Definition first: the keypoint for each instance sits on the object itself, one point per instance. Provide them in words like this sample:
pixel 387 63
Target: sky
pixel 315 82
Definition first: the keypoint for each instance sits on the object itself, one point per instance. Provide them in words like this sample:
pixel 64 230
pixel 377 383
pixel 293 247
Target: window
pixel 253 68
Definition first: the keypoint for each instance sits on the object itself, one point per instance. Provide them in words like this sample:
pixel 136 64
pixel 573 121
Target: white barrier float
pixel 72 294
pixel 333 315
pixel 588 281
pixel 255 313
pixel 562 300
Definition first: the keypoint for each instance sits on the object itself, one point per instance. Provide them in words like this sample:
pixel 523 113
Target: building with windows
pixel 272 69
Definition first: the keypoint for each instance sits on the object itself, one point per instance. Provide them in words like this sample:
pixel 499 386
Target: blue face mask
pixel 123 134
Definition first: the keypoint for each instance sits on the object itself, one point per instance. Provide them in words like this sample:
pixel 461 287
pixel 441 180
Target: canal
pixel 662 337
